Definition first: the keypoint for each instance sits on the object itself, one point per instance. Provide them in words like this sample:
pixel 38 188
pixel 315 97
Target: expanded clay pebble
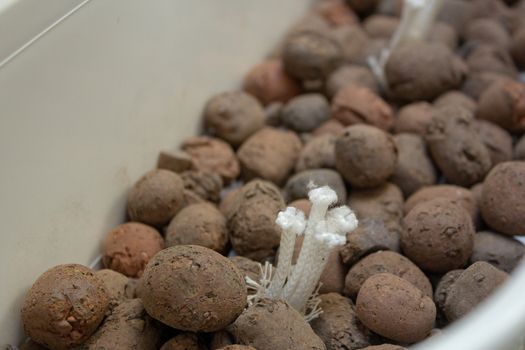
pixel 384 347
pixel 318 152
pixel 517 47
pixel 448 279
pixel 503 103
pixel 128 248
pixel 251 222
pixel 502 198
pixel 385 262
pixel 298 185
pixel 127 327
pixel 354 104
pixel 305 112
pixel 118 286
pixel 456 147
pixel 456 98
pixel 199 224
pixel 156 197
pixel 501 251
pixel 488 31
pixel 336 12
pixel 414 168
pixel 338 325
pixel 443 33
pixel 395 309
pixel 269 82
pixel 269 154
pixel 331 126
pixel 414 118
pixel 176 161
pixel 351 75
pixel 477 83
pixel 488 58
pixel 274 324
pixel 205 185
pixel 233 116
pixel 213 155
pixel 64 306
pixel 355 43
pixel 365 156
pixel 248 267
pixel 177 274
pixel 184 341
pixel 496 139
pixel 473 286
pixel 519 149
pixel 423 71
pixel 303 205
pixel 439 236
pixel 380 26
pixel 237 347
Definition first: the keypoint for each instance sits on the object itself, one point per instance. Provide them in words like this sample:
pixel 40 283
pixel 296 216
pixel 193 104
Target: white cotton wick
pixel 291 220
pixel 341 220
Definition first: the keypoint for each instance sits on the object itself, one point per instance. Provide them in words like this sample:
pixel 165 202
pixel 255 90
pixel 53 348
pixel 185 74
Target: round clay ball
pixel 456 98
pixel 128 248
pixel 414 118
pixel 269 82
pixel 395 309
pixel 156 197
pixel 351 75
pixel 318 152
pixel 477 83
pixel 365 155
pixel 204 185
pixel 297 186
pixel 199 224
pixel 237 347
pixel 193 288
pixel 503 252
pixel 184 341
pixel 233 116
pixel 305 112
pixel 439 236
pixel 311 56
pixel 490 58
pixel 443 286
pixel 384 347
pixel 64 306
pixel 118 286
pixel 488 31
pixel 502 198
pixel 517 48
pixel 496 139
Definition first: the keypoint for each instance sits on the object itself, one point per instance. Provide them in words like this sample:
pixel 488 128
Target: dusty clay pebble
pixel 303 205
pixel 177 274
pixel 220 339
pixel 305 112
pixel 439 236
pixel 414 118
pixel 370 236
pixel 248 267
pixel 502 198
pixel 456 147
pixel 422 71
pixel 213 155
pixel 496 139
pixel 477 83
pixel 331 126
pixel 270 83
pixel 442 33
pixel 128 327
pixel 311 56
pixel 233 116
pixel 64 306
pixel 237 347
pixel 365 155
pixel 384 347
pixel 338 325
pixel 176 161
pixel 488 31
pixel 297 185
pixel 269 154
pixel 489 58
pixel 456 98
pixel 380 26
pixel 128 248
pixel 205 185
pixel 414 168
pixel 354 42
pixel 156 197
pixel 118 286
pixel 274 324
pixel 394 308
pixel 354 104
pixel 199 224
pixel 519 149
pixel 385 262
pixel 319 152
pixel 503 103
pixel 336 12
pixel 448 279
pixel 475 284
pixel 228 200
pixel 184 341
pixel 503 252
pixel 351 75
pixel 251 222
pixel 517 48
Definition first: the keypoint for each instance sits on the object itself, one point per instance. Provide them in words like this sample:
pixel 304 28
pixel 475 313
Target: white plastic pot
pixel 91 90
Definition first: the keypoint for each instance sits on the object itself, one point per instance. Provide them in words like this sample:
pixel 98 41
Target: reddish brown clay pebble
pixel 199 224
pixel 496 139
pixel 383 262
pixel 502 198
pixel 332 127
pixel 118 286
pixel 156 197
pixel 477 83
pixel 443 286
pixel 414 118
pixel 176 275
pixel 501 251
pixel 269 154
pixel 184 341
pixel 354 104
pixel 365 155
pixel 336 12
pixel 128 248
pixel 439 236
pixel 64 306
pixel 473 286
pixel 351 75
pixel 319 152
pixel 394 308
pixel 176 161
pixel 303 205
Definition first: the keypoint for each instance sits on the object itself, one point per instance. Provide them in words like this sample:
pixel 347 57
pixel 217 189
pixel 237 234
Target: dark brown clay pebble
pixel 206 185
pixel 497 141
pixel 305 112
pixel 475 284
pixel 503 252
pixel 297 186
pixel 502 198
pixel 370 236
pixel 365 155
pixel 362 6
pixel 199 224
pixel 184 341
pixel 156 197
pixel 319 152
pixel 233 116
pixel 64 306
pixel 338 325
pixel 394 308
pixel 457 149
pixel 27 345
pixel 448 279
pixel 439 236
pixel 385 262
pixel 414 118
pixel 193 288
pixel 351 75
pixel 220 339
